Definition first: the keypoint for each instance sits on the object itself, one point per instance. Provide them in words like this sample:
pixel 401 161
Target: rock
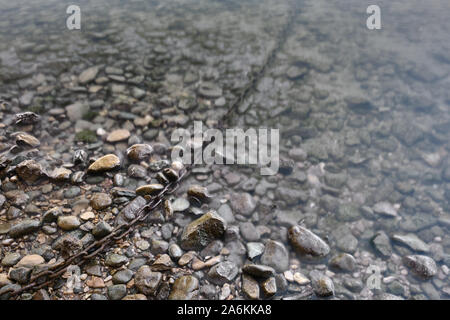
pixel 68 222
pixel 202 231
pixel 300 279
pixel 269 287
pixel 101 229
pixel 142 245
pixel 27 140
pixel 209 90
pixel 222 273
pixel 30 171
pixel 382 244
pixel 159 246
pixel 11 259
pixel 184 288
pixel 322 285
pixel 117 291
pixel 100 201
pixel 77 111
pixel 115 260
pixel 358 104
pixel 122 276
pixel 4 281
pixel 276 256
pixel 254 249
pixel 61 174
pixel 343 262
pixel 147 281
pixel 385 209
pixel 412 241
pixel 162 263
pixel 199 193
pixel 105 163
pixel 348 212
pixel 139 152
pixel 175 251
pixel 258 270
pixel 88 215
pixel 118 135
pixel 296 72
pixel 30 261
pixel 422 266
pixel 88 75
pixel 95 282
pixel 242 203
pixel 306 242
pixel 24 227
pixel 250 287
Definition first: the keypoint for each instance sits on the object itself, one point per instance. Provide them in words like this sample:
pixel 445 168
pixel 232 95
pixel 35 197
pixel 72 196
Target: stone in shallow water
pixel 343 262
pixel 27 140
pixel 184 288
pixel 180 205
pixel 101 229
pixel 276 256
pixel 306 242
pixel 254 249
pixel 412 241
pixel 149 189
pixel 209 90
pixel 30 261
pixel 61 174
pixel 199 233
pixel 242 203
pixel 11 259
pixel 222 273
pixel 422 266
pixel 382 244
pixel 115 260
pixel 269 287
pixel 105 163
pixel 322 285
pixel 258 270
pixel 117 291
pixel 88 75
pixel 385 209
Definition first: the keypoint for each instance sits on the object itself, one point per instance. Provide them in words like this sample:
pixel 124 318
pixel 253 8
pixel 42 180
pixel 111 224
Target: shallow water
pixel 370 111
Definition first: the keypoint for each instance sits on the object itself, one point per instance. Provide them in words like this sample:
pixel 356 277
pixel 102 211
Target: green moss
pixel 90 115
pixel 86 136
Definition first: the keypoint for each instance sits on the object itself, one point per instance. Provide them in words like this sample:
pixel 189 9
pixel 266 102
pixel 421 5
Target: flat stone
pixel 61 174
pixel 117 291
pixel 242 203
pixel 412 241
pixel 122 276
pixel 101 229
pixel 382 244
pixel 385 209
pixel 23 228
pixel 30 261
pixel 118 135
pixel 139 152
pixel 88 75
pixel 115 260
pixel 30 171
pixel 105 163
pixel 254 249
pixel 343 262
pixel 27 140
pixel 11 259
pixel 258 270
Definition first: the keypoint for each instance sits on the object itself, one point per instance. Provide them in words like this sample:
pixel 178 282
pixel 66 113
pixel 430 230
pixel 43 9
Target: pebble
pixel 275 255
pixel 180 205
pixel 118 135
pixel 61 174
pixel 385 209
pixel 242 203
pixel 117 291
pixel 322 285
pixel 122 276
pixel 115 260
pixel 88 75
pixel 300 279
pixel 258 270
pixel 343 262
pixel 223 272
pixel 24 227
pixel 306 242
pixel 30 261
pixel 147 281
pixel 30 171
pixel 250 287
pixel 11 259
pixel 254 249
pixel 68 222
pixel 27 140
pixel 412 241
pixel 100 201
pixel 139 152
pixel 105 163
pixel 269 287
pixel 101 230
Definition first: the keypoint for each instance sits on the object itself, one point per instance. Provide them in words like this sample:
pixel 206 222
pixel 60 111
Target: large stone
pixel 202 231
pixel 306 242
pixel 422 266
pixel 184 288
pixel 250 287
pixel 30 171
pixel 147 281
pixel 276 256
pixel 105 163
